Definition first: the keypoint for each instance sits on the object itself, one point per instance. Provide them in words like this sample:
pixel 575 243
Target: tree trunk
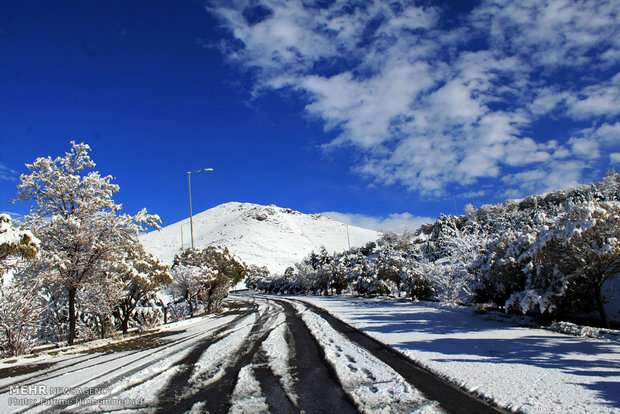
pixel 103 325
pixel 71 338
pixel 191 306
pixel 165 312
pixel 125 322
pixel 600 304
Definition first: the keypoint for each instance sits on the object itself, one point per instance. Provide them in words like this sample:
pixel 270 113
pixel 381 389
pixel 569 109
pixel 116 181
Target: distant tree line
pixel 546 255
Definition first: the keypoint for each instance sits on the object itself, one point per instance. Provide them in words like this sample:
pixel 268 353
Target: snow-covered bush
pixel 20 312
pixel 569 263
pixel 205 276
pixel 255 275
pixel 141 275
pixel 15 243
pixel 188 283
pixel 98 300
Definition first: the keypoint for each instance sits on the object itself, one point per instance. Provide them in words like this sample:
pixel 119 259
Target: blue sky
pixel 395 111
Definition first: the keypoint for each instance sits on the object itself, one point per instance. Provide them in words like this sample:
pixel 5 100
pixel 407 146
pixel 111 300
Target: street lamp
pixel 189 190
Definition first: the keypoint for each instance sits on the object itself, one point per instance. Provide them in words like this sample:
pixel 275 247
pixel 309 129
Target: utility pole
pixel 189 190
pixel 348 238
pixel 191 221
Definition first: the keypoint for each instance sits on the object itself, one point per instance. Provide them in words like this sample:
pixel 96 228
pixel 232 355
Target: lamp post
pixel 189 190
pixel 348 238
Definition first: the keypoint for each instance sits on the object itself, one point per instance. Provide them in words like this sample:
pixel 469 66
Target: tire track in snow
pixel 44 376
pixel 452 398
pixel 318 388
pixel 373 385
pixel 167 368
pixel 272 369
pixel 176 368
pixel 114 356
pixel 215 397
pixel 247 396
pixel 124 374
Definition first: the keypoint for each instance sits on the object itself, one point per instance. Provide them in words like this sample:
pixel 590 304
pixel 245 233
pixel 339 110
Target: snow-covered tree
pixel 142 275
pixel 15 242
pixel 217 271
pixel 98 301
pixel 77 221
pixel 255 275
pixel 189 282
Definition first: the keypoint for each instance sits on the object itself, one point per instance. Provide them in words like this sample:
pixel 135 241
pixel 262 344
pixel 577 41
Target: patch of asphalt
pixel 449 396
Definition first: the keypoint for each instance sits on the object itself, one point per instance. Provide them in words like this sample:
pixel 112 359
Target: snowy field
pixel 522 369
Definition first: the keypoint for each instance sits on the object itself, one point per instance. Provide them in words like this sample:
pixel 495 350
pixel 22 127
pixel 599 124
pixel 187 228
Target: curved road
pixel 264 354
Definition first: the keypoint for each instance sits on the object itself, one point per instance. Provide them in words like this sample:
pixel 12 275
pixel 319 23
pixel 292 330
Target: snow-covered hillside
pixel 262 235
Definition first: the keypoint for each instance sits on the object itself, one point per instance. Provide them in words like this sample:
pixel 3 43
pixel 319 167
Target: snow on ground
pixel 152 380
pixel 247 397
pixel 106 374
pixel 269 236
pixel 278 354
pixel 214 360
pixel 524 369
pixel 374 386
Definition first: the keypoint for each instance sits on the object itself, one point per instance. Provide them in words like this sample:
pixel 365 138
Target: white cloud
pixel 585 147
pixel 426 112
pixel 589 142
pixel 554 32
pixel 554 176
pixel 608 134
pixel 614 157
pixel 6 173
pixel 600 100
pixel 396 222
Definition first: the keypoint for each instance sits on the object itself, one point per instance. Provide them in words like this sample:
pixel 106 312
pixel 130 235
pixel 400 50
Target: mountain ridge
pixel 263 235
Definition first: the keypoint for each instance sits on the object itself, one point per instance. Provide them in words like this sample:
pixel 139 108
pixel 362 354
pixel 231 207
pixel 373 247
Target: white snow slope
pixel 269 236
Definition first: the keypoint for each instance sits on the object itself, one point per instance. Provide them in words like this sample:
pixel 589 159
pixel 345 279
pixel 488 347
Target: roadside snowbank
pixel 374 386
pixel 522 369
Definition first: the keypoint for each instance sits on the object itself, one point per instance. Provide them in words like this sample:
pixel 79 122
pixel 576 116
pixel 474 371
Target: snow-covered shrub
pixel 148 317
pixel 188 283
pixel 20 312
pixel 534 255
pixel 256 274
pixel 98 302
pixel 54 325
pixel 141 276
pixel 205 276
pixel 418 281
pixel 570 262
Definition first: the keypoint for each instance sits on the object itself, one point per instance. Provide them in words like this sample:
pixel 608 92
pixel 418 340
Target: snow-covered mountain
pixel 269 236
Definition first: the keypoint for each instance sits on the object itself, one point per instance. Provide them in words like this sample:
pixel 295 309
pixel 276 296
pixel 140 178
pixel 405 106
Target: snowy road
pixel 263 355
